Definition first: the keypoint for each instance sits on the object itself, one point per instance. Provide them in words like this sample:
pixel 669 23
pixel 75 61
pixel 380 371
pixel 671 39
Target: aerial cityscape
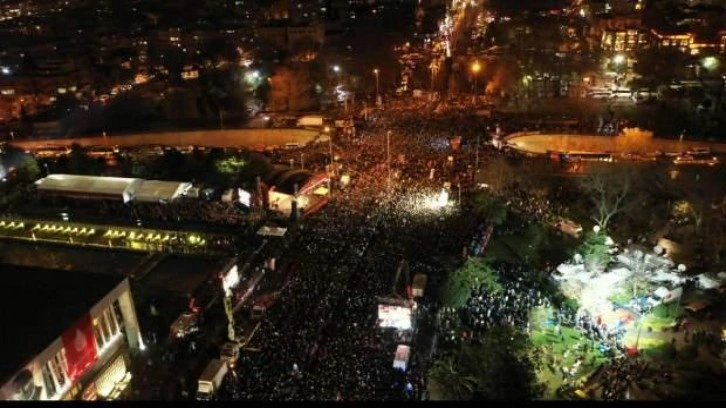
pixel 363 200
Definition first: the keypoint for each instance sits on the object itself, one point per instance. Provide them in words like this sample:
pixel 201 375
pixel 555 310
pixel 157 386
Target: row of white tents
pixel 113 188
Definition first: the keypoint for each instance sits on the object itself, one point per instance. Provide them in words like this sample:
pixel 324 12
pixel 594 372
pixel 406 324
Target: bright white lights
pixel 398 317
pixel 336 68
pixel 710 62
pixel 231 279
pixel 619 59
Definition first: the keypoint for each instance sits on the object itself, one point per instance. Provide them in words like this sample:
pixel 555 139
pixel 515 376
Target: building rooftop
pixel 38 305
pixel 161 191
pixel 71 183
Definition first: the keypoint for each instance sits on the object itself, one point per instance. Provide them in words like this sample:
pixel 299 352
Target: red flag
pixel 79 342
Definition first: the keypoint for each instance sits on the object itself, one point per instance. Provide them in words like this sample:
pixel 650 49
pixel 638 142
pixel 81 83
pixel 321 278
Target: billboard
pixel 79 343
pixel 398 317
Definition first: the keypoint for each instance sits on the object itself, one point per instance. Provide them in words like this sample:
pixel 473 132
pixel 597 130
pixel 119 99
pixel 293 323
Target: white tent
pixel 272 231
pixel 90 186
pixel 155 191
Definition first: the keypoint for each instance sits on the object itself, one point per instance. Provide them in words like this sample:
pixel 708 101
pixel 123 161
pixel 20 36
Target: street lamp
pixel 710 63
pixel 378 96
pixel 618 59
pixel 475 68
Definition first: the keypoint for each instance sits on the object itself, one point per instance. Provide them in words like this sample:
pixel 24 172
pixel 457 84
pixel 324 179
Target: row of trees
pixel 627 200
pixel 215 167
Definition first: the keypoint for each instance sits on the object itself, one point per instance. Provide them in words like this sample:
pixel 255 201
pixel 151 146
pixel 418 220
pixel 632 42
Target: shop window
pixel 111 321
pixel 100 341
pixel 58 371
pixel 50 388
pixel 117 312
pixel 104 328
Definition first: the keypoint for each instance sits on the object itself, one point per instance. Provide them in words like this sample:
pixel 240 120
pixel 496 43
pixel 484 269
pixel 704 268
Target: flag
pixel 79 342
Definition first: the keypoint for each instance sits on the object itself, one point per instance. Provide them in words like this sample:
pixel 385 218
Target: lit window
pixel 50 388
pixel 105 329
pixel 111 321
pixel 100 341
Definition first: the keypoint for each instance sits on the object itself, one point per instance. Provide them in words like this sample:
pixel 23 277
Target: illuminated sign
pixel 244 197
pixel 394 316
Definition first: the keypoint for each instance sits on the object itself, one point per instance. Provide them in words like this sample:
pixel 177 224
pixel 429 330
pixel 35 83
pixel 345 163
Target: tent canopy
pixel 161 191
pixel 89 186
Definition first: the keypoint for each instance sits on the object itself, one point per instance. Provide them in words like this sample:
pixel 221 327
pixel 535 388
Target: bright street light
pixel 619 59
pixel 710 62
pixel 475 67
pixel 336 68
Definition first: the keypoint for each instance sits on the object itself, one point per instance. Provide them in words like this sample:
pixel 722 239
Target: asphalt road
pixel 255 139
pixel 541 143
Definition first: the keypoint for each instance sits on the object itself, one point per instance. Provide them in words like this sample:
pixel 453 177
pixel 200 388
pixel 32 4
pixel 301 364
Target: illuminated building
pixel 70 341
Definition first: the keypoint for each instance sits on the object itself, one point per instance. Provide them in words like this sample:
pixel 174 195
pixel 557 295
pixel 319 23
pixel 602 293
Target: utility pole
pixel 388 154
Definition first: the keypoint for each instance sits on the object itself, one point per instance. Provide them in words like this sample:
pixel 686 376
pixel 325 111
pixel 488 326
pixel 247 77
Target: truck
pixel 211 380
pixel 311 121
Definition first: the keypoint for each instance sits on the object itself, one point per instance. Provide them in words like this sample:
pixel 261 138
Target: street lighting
pixel 710 63
pixel 619 59
pixel 378 96
pixel 475 68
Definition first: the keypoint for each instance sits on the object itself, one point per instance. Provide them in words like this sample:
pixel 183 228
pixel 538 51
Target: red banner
pixel 79 342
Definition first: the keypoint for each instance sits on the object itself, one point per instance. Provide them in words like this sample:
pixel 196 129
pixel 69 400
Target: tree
pixel 447 381
pixel 658 66
pixel 490 207
pixel 474 274
pixel 80 163
pixel 608 190
pixel 508 366
pixel 594 251
pixel 499 366
pixel 292 88
pixel 28 168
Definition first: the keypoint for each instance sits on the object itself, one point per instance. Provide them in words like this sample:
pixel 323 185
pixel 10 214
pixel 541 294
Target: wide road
pixel 254 139
pixel 541 143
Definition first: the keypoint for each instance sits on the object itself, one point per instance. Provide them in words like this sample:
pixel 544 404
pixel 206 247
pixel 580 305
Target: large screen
pixel 394 316
pixel 244 197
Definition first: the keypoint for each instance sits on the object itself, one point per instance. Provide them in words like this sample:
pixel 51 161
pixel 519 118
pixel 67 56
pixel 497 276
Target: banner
pixel 79 342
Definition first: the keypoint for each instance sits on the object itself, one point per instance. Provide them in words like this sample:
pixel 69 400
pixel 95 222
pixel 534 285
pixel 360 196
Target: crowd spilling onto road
pixel 322 339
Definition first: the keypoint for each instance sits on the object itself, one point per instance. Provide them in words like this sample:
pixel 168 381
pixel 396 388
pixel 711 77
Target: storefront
pixel 110 382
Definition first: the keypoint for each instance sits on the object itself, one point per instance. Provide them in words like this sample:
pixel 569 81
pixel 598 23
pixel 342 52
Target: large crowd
pixel 322 341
